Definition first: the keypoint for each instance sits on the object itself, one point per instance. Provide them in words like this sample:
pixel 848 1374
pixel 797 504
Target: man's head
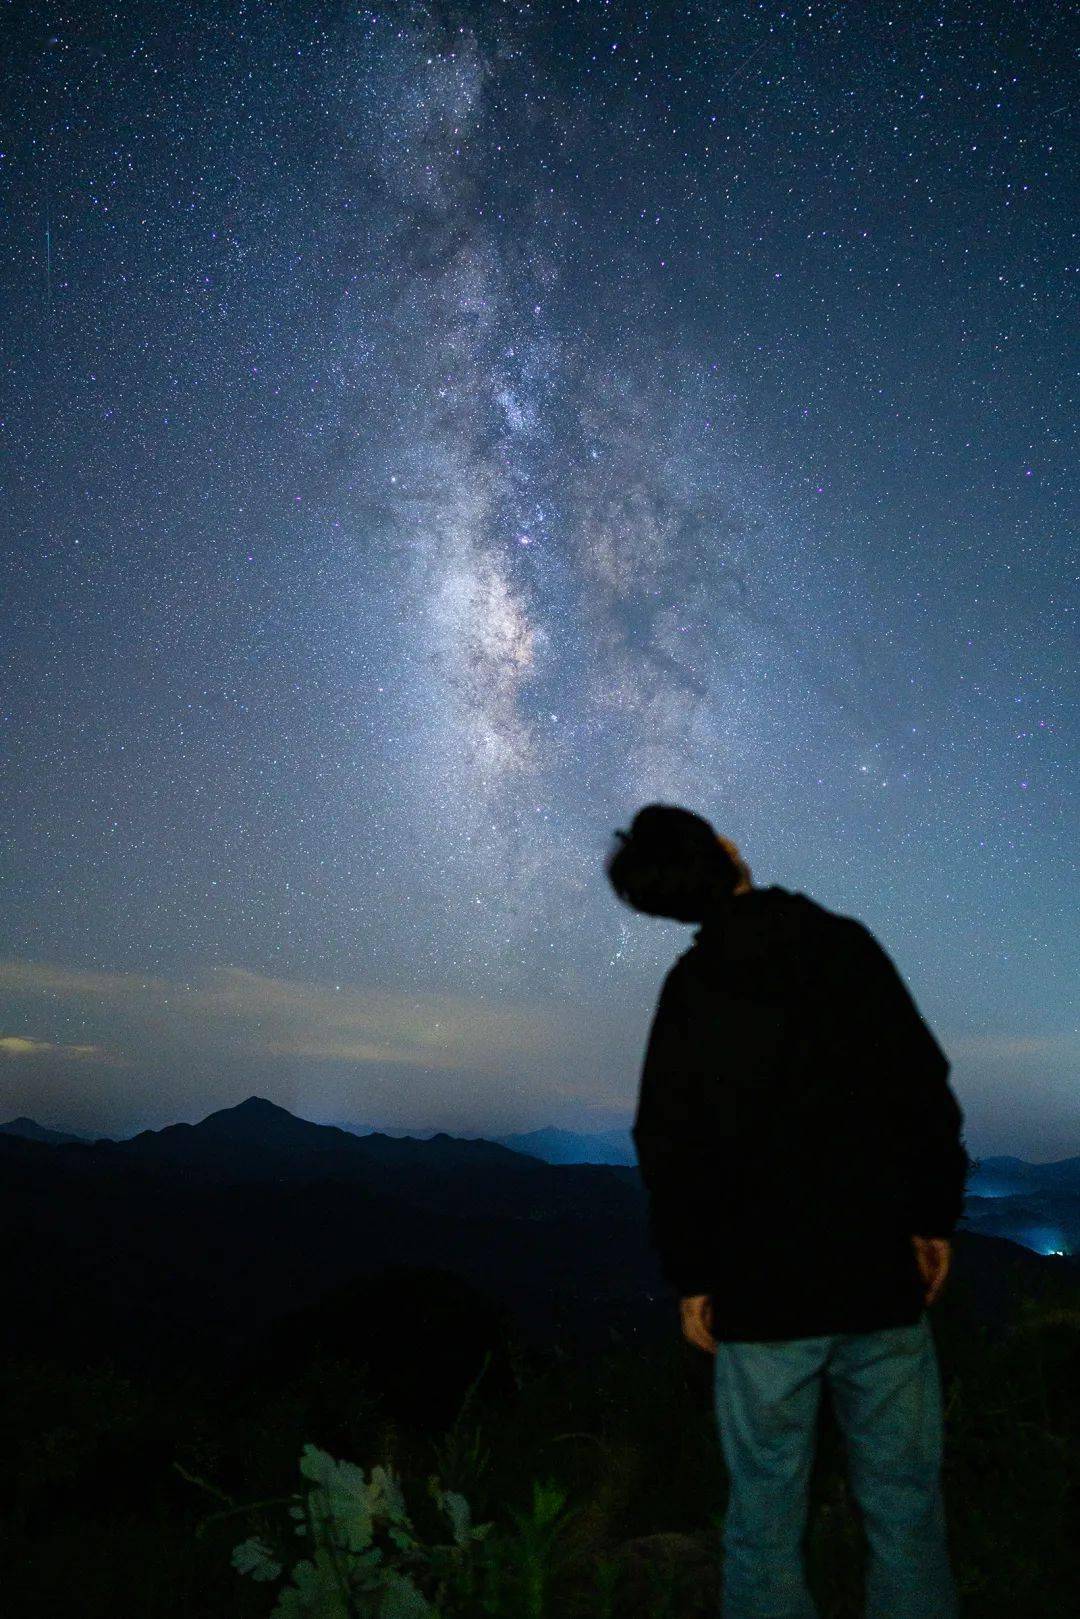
pixel 672 863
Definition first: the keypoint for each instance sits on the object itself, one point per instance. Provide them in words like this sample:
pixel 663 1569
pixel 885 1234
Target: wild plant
pixel 366 1556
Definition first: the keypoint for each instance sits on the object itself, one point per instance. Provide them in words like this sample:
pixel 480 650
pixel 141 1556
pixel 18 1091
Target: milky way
pixel 432 433
pixel 577 559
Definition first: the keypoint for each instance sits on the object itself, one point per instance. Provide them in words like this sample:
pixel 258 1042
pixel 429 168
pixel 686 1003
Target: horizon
pixel 354 1128
pixel 359 1129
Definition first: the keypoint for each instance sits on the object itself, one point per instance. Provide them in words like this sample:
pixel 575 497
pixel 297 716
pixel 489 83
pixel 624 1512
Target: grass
pixel 570 1459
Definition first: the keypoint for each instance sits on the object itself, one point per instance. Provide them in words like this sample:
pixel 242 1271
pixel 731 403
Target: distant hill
pixel 551 1144
pixel 1007 1177
pixel 1034 1204
pixel 556 1146
pixel 1046 1222
pixel 30 1130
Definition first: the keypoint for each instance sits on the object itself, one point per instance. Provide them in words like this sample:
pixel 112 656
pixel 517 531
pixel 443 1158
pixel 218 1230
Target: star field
pixel 430 433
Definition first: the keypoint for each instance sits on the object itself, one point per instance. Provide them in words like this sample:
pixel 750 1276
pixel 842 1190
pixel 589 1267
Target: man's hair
pixel 670 863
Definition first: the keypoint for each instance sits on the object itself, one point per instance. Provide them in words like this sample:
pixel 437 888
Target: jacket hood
pixel 762 927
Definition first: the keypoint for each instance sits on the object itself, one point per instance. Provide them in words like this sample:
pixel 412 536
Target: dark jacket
pixel 795 1125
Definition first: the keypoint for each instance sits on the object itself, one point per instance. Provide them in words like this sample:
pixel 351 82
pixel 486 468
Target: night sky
pixel 427 436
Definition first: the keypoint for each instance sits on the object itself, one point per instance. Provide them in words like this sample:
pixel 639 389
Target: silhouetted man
pixel 802 1154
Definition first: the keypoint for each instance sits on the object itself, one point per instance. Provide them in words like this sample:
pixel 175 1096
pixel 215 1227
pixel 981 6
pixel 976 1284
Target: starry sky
pixel 430 433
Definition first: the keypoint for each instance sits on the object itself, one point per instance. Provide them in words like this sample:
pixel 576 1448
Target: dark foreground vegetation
pixel 598 1470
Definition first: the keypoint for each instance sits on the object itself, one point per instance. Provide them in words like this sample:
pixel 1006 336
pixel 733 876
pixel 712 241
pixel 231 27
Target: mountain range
pixel 201 1242
pixel 196 1237
pixel 991 1178
pixel 553 1145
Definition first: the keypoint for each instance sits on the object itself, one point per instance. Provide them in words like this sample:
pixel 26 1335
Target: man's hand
pixel 933 1255
pixel 696 1312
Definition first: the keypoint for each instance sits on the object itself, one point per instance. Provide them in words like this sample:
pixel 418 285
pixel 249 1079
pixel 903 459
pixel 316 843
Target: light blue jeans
pixel 886 1395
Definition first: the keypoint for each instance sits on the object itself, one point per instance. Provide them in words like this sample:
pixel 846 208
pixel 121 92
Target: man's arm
pixel 672 1146
pixel 910 1072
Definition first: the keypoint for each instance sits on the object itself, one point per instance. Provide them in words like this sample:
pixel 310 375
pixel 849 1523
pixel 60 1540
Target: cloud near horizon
pixel 277 1017
pixel 177 1049
pixel 21 1045
pixel 112 1052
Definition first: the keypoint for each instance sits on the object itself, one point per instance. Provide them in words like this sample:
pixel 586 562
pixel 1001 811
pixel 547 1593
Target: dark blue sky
pixel 428 434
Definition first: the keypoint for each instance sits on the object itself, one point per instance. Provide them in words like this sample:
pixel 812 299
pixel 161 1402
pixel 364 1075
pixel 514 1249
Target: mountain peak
pixel 256 1115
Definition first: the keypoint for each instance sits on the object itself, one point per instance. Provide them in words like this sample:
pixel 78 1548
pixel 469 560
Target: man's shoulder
pixel 839 924
pixel 774 924
pixel 816 908
pixel 839 944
